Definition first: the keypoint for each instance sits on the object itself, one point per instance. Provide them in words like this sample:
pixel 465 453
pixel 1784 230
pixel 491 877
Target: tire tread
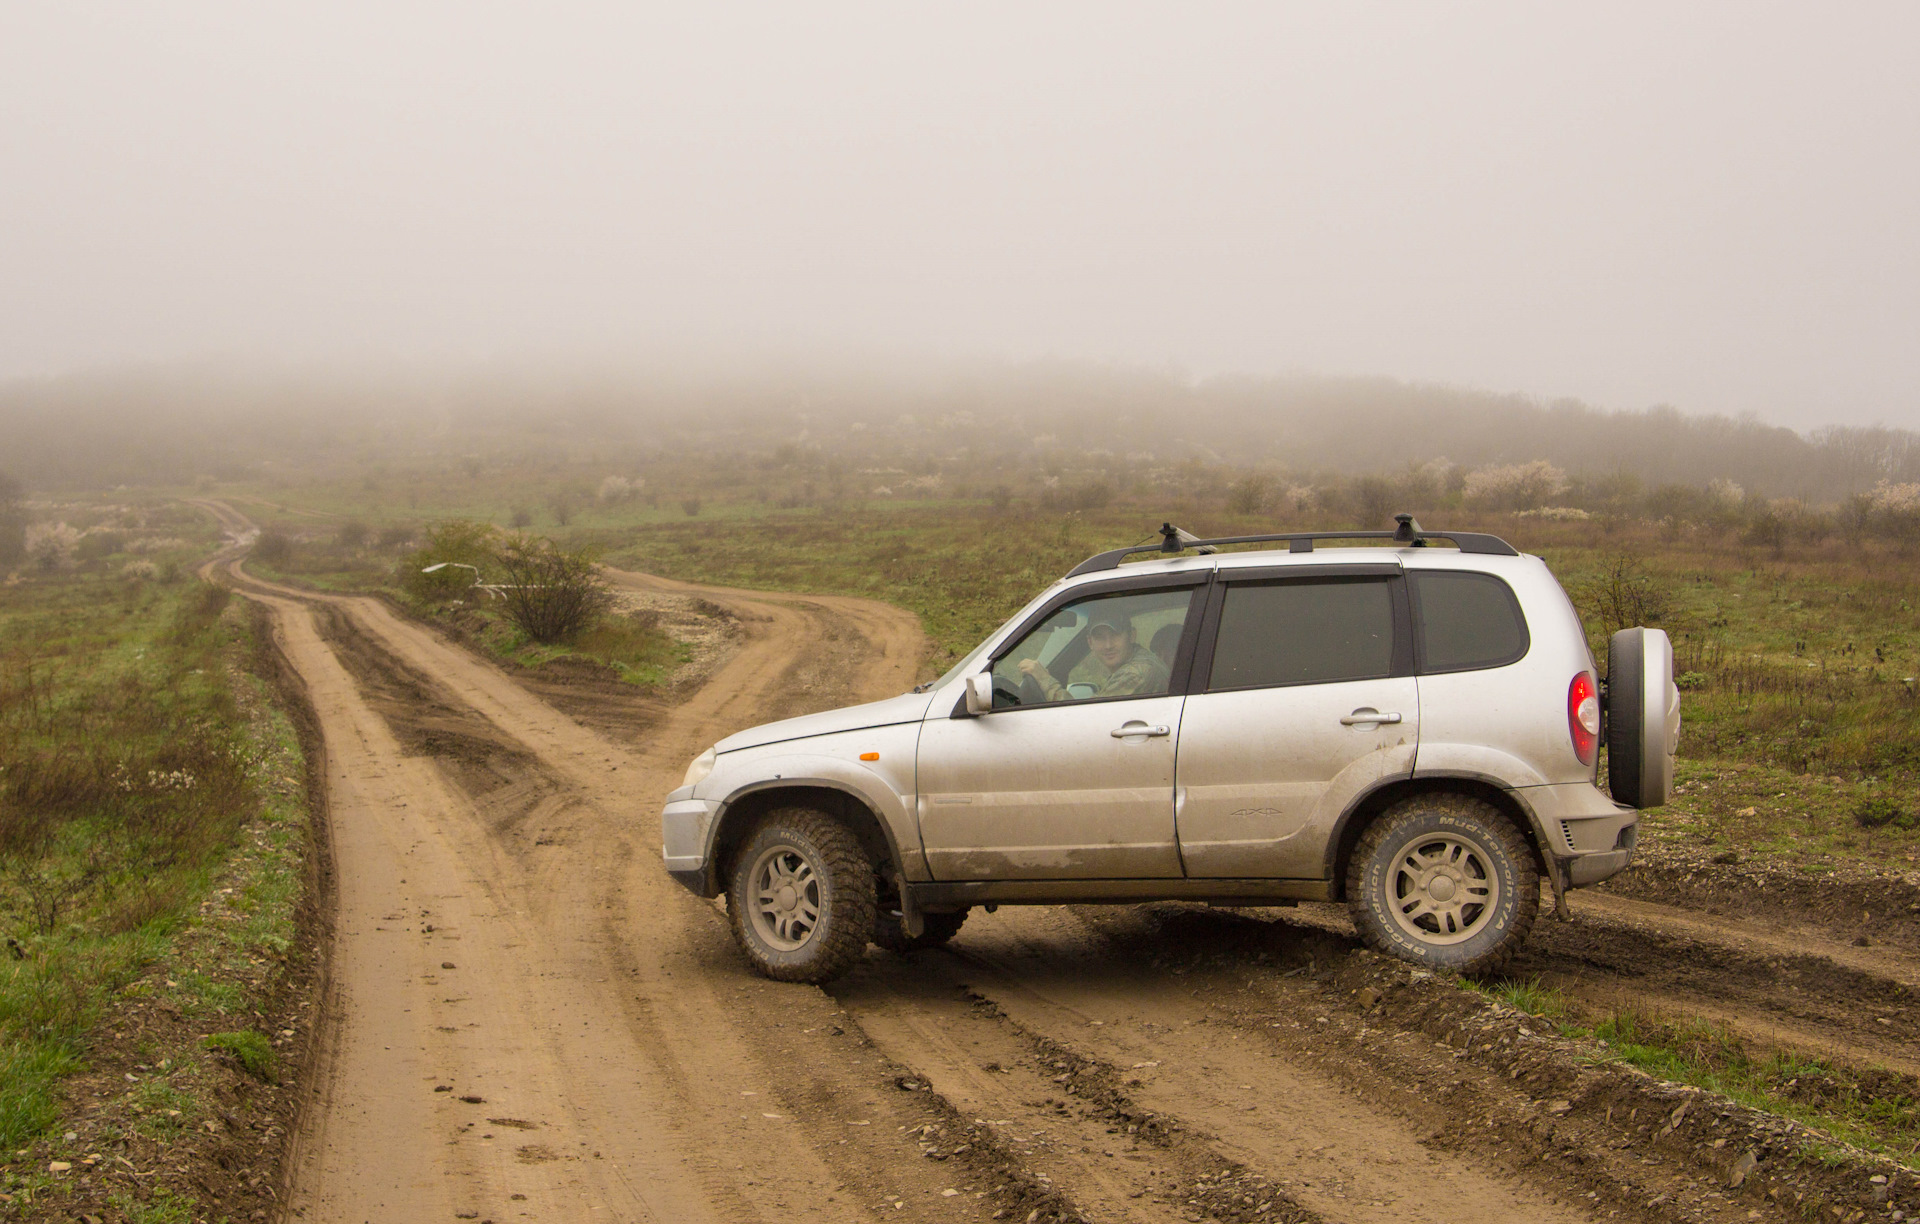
pixel 850 921
pixel 1512 841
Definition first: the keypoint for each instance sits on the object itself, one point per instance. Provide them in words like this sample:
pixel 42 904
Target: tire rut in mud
pixel 506 783
pixel 1825 1006
pixel 1495 1084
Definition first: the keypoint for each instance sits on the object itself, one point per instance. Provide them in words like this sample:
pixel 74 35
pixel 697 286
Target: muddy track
pixel 529 1020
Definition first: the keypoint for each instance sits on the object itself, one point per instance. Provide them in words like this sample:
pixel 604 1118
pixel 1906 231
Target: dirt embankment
pixel 529 1020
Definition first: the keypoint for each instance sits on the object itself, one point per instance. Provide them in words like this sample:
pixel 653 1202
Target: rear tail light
pixel 1583 717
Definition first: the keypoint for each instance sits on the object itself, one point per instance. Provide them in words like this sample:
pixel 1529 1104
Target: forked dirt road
pixel 528 1020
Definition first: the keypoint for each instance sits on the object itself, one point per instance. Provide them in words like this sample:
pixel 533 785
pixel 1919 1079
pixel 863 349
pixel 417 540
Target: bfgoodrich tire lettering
pixel 1446 881
pixel 800 897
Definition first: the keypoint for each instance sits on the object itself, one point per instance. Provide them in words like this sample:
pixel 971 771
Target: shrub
pixel 452 545
pixel 616 489
pixel 353 534
pixel 273 547
pixel 51 545
pixel 250 1049
pixel 1251 496
pixel 13 522
pixel 551 593
pixel 1879 811
pixel 691 506
pixel 395 537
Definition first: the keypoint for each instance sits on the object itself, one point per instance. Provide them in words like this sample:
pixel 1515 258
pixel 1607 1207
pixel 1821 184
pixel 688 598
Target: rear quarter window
pixel 1467 621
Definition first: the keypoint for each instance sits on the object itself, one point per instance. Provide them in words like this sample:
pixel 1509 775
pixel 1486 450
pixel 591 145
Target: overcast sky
pixel 1709 205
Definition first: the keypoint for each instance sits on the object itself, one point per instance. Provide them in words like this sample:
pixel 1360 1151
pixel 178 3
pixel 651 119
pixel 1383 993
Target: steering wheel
pixel 1030 691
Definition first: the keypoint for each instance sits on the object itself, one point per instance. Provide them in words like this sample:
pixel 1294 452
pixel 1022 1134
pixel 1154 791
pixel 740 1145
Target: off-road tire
pixel 1425 830
pixel 936 930
pixel 837 884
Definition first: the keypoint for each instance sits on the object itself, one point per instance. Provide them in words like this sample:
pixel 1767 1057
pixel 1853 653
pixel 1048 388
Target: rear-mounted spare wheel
pixel 1643 717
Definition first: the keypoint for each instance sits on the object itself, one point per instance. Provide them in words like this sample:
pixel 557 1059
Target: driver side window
pixel 1103 647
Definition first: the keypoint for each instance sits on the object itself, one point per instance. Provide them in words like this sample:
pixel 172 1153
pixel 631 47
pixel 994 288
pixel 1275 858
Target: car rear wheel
pixel 1444 880
pixel 801 897
pixel 936 930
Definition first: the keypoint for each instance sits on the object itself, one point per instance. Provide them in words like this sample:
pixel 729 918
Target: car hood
pixel 907 707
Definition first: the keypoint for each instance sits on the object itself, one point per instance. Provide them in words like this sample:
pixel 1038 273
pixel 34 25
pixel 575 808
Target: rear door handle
pixel 1140 729
pixel 1364 717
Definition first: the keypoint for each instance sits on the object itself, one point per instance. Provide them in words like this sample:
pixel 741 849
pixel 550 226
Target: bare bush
pixel 1622 596
pixel 691 506
pixel 551 593
pixel 1253 495
pixel 353 534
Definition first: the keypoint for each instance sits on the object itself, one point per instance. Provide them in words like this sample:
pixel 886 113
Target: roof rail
pixel 1173 540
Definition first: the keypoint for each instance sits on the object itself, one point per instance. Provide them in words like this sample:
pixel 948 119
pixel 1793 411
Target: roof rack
pixel 1408 532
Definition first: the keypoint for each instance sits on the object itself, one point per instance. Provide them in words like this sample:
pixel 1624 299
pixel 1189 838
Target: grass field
pixel 153 824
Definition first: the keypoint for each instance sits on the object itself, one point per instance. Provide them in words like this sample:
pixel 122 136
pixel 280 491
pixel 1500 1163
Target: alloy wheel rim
pixel 1442 888
pixel 785 893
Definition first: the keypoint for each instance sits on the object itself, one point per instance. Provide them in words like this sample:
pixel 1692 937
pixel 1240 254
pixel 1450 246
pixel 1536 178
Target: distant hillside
pixel 172 425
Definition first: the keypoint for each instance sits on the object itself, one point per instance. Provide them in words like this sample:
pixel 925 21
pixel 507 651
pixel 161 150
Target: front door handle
pixel 1367 716
pixel 1141 730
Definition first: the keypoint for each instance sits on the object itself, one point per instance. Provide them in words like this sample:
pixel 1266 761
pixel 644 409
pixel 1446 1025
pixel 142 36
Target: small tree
pixel 353 534
pixel 459 543
pixel 13 522
pixel 551 593
pixel 691 506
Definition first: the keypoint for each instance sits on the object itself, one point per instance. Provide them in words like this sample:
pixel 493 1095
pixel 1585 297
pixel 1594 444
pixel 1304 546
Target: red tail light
pixel 1583 717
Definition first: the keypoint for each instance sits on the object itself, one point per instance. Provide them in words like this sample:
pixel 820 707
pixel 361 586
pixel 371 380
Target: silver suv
pixel 1412 729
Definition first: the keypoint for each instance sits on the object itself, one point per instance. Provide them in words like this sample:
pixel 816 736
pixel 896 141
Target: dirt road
pixel 529 1020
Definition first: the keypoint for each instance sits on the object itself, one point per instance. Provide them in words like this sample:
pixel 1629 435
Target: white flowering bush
pixel 1726 494
pixel 143 571
pixel 50 545
pixel 1514 486
pixel 1895 498
pixel 1557 514
pixel 618 489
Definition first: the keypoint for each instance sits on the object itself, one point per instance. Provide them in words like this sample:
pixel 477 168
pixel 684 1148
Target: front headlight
pixel 701 767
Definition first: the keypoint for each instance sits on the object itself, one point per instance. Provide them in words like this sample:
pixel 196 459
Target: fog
pixel 1703 205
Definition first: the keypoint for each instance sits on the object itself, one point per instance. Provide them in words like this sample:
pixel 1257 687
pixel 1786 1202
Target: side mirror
pixel 980 693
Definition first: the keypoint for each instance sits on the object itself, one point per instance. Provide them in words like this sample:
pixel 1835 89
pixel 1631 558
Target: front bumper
pixel 1593 868
pixel 685 827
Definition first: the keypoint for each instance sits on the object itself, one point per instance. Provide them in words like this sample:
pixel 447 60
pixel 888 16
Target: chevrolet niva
pixel 1409 728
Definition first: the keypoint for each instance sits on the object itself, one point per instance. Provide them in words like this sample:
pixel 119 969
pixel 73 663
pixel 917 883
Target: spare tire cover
pixel 1643 717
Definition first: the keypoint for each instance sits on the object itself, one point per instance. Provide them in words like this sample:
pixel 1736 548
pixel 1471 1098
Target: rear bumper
pixel 1593 868
pixel 1590 836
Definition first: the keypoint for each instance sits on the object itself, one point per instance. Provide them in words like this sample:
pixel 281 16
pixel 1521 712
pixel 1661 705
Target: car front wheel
pixel 1444 880
pixel 801 897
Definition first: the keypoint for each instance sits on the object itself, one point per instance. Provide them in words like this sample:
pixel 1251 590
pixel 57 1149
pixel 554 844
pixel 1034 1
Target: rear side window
pixel 1467 621
pixel 1303 633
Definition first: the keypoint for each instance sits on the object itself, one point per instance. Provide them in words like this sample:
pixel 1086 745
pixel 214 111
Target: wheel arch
pixel 744 809
pixel 1370 805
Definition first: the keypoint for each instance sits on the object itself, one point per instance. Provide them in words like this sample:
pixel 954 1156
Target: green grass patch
pixel 1874 1110
pixel 250 1049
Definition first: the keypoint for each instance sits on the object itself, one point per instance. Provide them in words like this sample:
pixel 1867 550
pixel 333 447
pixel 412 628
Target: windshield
pixel 958 669
pixel 973 656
